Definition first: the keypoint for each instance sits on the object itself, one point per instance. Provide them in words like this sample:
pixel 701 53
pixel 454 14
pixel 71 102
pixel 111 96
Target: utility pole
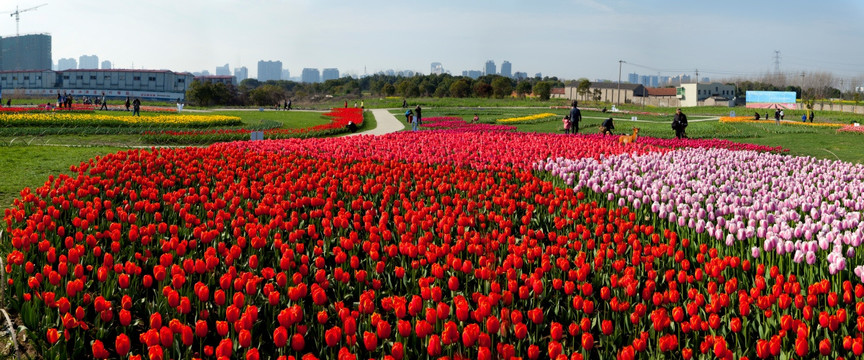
pixel 802 86
pixel 697 76
pixel 776 61
pixel 618 93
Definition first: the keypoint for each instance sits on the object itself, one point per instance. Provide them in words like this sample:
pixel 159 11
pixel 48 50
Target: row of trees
pixel 254 92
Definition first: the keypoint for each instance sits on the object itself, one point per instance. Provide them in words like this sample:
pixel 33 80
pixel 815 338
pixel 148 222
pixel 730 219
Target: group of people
pixel 571 121
pixel 415 118
pixel 780 115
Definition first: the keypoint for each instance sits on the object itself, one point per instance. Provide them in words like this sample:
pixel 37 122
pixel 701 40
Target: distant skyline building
pixel 310 75
pixel 520 75
pixel 26 52
pixel 106 65
pixel 241 73
pixel 269 70
pixel 633 78
pixel 286 75
pixel 538 75
pixel 474 74
pixel 329 74
pixel 490 68
pixel 66 64
pixel 223 70
pixel 506 69
pixel 88 62
pixel 437 68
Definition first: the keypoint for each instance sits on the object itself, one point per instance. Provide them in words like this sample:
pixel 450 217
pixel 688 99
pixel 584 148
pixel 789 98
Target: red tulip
pixel 735 325
pixel 252 354
pixel 533 351
pixel 370 340
pixel 607 327
pixel 332 336
pixel 297 342
pixel 397 351
pixel 99 351
pixel 280 337
pixel 53 336
pixel 433 347
pixel 122 344
pixel 825 347
pixel 245 338
pixel 587 341
pixel 801 347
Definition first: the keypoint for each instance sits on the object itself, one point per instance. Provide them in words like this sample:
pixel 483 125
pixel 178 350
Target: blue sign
pixel 771 99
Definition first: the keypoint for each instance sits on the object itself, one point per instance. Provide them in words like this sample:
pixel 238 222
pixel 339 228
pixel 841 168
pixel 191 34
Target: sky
pixel 569 39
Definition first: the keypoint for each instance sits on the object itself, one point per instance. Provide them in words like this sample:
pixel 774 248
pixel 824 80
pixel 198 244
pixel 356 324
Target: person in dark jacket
pixel 575 118
pixel 607 127
pixel 418 119
pixel 679 124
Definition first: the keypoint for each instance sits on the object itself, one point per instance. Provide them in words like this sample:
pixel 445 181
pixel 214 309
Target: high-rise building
pixel 223 70
pixel 520 75
pixel 286 75
pixel 538 75
pixel 106 65
pixel 437 68
pixel 506 69
pixel 645 80
pixel 269 70
pixel 66 64
pixel 310 75
pixel 26 52
pixel 329 74
pixel 633 78
pixel 490 68
pixel 88 62
pixel 241 73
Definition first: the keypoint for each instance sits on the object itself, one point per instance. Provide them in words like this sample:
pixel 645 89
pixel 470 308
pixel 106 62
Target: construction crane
pixel 17 15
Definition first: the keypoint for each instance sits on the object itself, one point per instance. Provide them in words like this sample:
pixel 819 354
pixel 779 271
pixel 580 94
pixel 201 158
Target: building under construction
pixel 25 52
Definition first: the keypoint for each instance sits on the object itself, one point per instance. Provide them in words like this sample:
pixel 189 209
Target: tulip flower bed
pixel 529 118
pixel 693 143
pixel 798 206
pixel 43 119
pixel 852 129
pixel 749 119
pixel 457 123
pixel 431 244
pixel 340 117
pixel 77 108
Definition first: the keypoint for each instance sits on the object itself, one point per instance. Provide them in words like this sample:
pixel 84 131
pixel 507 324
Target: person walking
pixel 417 118
pixel 575 118
pixel 777 115
pixel 679 124
pixel 811 115
pixel 104 104
pixel 136 107
pixel 127 103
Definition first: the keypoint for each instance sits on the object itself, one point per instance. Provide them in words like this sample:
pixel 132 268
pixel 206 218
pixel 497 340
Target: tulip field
pixel 461 241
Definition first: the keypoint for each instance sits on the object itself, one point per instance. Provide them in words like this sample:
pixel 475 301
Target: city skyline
pixel 577 38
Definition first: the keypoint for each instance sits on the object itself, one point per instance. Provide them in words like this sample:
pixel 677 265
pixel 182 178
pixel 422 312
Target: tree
pixel 523 88
pixel 460 88
pixel 388 89
pixel 482 89
pixel 583 88
pixel 200 93
pixel 267 95
pixel 501 87
pixel 543 90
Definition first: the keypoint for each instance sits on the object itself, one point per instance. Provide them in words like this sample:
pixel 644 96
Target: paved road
pixel 387 123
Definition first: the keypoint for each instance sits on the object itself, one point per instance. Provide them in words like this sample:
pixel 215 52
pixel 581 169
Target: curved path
pixel 387 123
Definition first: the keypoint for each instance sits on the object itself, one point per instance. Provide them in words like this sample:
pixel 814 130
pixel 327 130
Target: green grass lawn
pixel 30 166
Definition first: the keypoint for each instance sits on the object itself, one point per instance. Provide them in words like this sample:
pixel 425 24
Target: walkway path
pixel 387 123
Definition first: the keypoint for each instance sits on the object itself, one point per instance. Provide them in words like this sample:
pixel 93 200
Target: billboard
pixel 771 99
